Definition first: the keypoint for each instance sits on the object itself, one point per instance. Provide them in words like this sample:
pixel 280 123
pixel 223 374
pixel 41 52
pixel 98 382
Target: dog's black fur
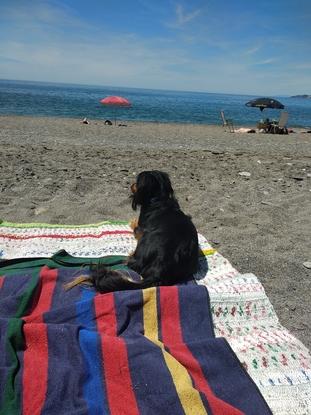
pixel 167 248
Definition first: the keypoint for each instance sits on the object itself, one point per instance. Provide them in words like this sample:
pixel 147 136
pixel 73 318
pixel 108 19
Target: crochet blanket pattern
pixel 277 362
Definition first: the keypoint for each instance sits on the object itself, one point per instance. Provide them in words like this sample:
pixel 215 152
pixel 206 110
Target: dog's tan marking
pixel 133 223
pixel 138 233
pixel 134 187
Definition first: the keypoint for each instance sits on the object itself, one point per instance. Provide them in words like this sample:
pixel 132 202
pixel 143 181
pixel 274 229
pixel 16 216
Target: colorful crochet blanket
pixel 277 362
pixel 147 351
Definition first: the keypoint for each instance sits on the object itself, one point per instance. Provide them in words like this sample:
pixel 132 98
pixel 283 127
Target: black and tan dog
pixel 167 242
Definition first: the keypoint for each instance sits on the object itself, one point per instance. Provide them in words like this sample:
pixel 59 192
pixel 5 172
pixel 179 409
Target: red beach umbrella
pixel 115 101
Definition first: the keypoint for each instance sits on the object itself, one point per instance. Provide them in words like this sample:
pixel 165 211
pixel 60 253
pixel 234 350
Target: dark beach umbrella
pixel 263 103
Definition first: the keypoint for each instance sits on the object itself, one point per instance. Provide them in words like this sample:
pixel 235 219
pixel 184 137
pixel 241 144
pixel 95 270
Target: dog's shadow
pixel 202 268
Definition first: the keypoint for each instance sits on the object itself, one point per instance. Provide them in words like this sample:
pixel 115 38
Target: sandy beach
pixel 62 171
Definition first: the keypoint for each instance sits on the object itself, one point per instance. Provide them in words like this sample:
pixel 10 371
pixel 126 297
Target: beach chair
pixel 280 126
pixel 226 122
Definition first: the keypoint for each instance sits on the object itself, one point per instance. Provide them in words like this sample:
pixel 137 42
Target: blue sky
pixel 234 46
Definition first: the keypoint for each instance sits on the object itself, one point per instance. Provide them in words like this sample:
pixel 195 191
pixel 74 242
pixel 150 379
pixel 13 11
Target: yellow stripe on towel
pixel 209 251
pixel 189 397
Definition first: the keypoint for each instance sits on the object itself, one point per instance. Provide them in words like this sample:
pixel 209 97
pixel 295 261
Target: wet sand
pixel 61 171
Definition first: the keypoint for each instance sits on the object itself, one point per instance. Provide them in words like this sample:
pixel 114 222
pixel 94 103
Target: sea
pixel 42 99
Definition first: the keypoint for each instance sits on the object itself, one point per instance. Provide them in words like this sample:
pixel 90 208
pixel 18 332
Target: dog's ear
pixel 150 185
pixel 141 189
pixel 166 189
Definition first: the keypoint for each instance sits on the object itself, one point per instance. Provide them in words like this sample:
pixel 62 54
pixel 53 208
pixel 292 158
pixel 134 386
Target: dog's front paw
pixel 134 223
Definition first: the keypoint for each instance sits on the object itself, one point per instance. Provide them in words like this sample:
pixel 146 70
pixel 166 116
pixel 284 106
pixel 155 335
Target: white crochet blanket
pixel 279 364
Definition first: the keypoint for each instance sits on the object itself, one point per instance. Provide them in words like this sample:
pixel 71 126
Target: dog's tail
pixel 107 280
pixel 82 279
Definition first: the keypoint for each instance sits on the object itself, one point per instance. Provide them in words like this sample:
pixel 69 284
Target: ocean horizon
pixel 49 99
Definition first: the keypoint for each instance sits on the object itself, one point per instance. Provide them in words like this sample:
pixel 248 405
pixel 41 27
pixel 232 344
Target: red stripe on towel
pixel 85 235
pixel 120 394
pixel 105 314
pixel 35 373
pixel 172 338
pixel 47 284
pixel 1 281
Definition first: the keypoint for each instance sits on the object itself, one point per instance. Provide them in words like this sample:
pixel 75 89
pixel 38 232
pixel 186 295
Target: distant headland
pixel 302 96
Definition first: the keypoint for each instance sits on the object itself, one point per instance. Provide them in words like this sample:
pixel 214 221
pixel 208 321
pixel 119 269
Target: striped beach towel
pixel 278 363
pixel 147 351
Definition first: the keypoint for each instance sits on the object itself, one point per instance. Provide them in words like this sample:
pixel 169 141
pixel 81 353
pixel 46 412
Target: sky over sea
pixel 230 46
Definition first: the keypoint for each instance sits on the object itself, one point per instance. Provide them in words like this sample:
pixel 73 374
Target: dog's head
pixel 151 186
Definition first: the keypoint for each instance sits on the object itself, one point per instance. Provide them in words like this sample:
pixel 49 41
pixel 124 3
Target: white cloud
pixel 252 50
pixel 303 66
pixel 39 13
pixel 181 17
pixel 113 60
pixel 38 50
pixel 267 61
